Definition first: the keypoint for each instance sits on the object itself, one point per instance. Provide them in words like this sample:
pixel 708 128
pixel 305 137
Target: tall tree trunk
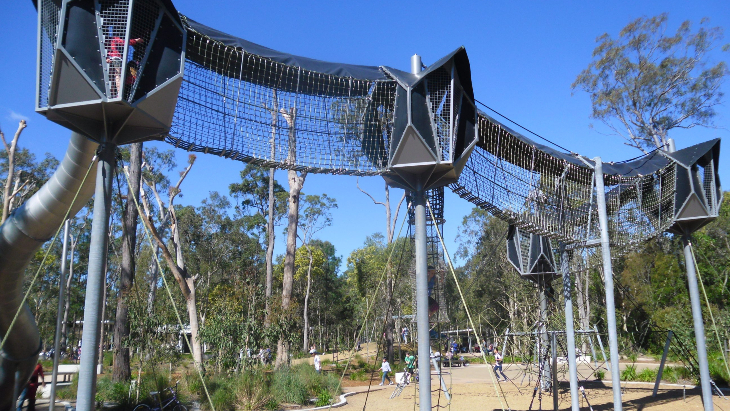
pixel 274 111
pixel 306 303
pixel 194 325
pixel 295 187
pixel 122 370
pixel 270 248
pixel 154 277
pixel 10 150
pixel 185 281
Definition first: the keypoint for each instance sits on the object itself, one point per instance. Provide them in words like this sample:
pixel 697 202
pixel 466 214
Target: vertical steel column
pixel 608 283
pixel 600 344
pixel 95 280
pixel 554 349
pixel 545 377
pixel 661 364
pixel 424 339
pixel 569 330
pixel 59 315
pixel 699 325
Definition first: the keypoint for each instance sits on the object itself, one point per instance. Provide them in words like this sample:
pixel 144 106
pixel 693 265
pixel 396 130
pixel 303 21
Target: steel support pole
pixel 661 364
pixel 59 315
pixel 554 349
pixel 608 283
pixel 545 377
pixel 95 280
pixel 699 325
pixel 569 330
pixel 424 339
pixel 600 344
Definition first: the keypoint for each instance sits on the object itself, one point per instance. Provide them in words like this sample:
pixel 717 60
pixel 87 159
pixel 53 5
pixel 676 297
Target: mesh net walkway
pixel 277 110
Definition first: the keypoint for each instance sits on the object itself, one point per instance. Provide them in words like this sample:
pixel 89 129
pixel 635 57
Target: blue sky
pixel 524 55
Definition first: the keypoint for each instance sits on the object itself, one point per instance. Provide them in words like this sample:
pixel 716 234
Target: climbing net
pixel 550 193
pixel 251 108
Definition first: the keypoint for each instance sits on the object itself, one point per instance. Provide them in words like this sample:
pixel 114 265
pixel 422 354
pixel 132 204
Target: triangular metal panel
pixel 460 162
pixel 160 104
pixel 89 127
pixel 69 85
pixel 693 208
pixel 397 181
pixel 415 176
pixel 412 149
pixel 442 176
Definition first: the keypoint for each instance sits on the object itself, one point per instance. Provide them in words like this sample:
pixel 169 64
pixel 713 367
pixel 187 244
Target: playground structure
pixel 119 71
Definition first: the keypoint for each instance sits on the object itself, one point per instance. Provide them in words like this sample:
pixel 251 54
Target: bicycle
pixel 171 403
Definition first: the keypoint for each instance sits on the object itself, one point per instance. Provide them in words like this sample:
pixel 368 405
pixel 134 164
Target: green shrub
pixel 68 392
pixel 670 374
pixel 358 375
pixel 223 399
pixel 647 375
pixel 600 374
pixel 718 372
pixel 323 398
pixel 288 387
pixel 253 391
pixel 629 374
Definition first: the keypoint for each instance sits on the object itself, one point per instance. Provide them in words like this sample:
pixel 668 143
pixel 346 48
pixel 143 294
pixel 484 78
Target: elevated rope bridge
pixel 121 71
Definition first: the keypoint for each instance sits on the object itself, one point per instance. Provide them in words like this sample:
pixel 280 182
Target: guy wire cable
pixel 169 293
pixel 497 387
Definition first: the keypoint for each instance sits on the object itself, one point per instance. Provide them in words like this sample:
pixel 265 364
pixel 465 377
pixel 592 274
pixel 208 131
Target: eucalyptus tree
pixel 176 263
pixel 317 215
pixel 390 226
pixel 21 175
pixel 646 82
pixel 296 182
pixel 262 202
pixel 122 370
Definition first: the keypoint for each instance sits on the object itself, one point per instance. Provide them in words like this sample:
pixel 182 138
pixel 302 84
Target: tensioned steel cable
pixel 169 293
pixel 497 387
pixel 523 127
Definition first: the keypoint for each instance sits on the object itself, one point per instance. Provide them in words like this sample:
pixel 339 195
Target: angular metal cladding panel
pixel 69 85
pixel 164 60
pixel 445 134
pixel 92 86
pixel 420 115
pixel 534 261
pixel 80 39
pixel 400 118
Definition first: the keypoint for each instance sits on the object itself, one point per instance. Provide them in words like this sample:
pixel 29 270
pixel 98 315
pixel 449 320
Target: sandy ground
pixel 473 388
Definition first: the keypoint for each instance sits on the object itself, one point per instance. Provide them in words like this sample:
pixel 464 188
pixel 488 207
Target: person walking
pixel 410 366
pixel 317 362
pixel 385 368
pixel 498 364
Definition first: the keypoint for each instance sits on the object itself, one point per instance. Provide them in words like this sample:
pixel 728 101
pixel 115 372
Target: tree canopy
pixel 647 81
